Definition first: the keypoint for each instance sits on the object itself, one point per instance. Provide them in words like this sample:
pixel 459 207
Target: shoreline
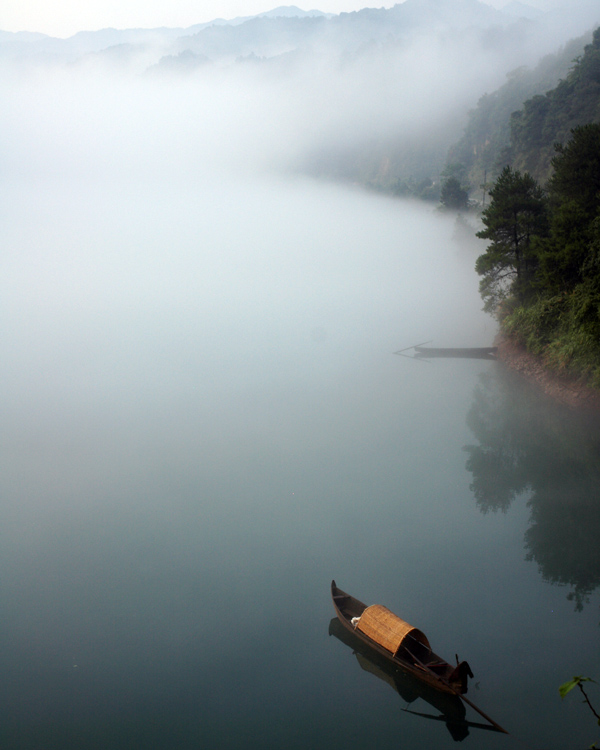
pixel 565 390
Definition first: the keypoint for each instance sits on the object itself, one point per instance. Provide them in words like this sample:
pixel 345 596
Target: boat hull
pixel 488 352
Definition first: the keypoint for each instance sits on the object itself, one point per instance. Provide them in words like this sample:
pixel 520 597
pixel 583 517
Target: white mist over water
pixel 225 301
pixel 172 295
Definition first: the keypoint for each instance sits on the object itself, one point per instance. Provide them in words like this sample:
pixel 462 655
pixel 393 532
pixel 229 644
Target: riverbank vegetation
pixel 541 270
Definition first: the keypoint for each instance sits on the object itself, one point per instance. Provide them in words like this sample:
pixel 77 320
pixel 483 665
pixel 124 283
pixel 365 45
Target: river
pixel 203 423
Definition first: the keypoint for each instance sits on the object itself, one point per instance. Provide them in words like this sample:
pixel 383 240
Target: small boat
pixel 480 352
pixel 403 646
pixel 406 646
pixel 429 352
pixel 451 709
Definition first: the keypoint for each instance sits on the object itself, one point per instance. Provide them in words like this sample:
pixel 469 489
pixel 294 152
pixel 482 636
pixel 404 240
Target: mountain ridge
pixel 360 26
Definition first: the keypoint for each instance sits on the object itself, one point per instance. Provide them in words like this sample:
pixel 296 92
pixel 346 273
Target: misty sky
pixel 65 17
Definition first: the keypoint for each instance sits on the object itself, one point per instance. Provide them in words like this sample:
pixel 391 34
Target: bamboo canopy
pixel 387 629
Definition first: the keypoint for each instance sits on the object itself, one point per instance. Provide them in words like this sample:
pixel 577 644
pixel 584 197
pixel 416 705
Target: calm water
pixel 203 424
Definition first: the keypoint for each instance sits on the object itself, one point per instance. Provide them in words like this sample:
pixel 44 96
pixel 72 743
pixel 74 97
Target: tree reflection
pixel 527 444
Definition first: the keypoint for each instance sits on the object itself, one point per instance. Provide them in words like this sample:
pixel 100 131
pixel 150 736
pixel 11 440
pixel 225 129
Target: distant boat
pixel 403 646
pixel 469 352
pixel 480 352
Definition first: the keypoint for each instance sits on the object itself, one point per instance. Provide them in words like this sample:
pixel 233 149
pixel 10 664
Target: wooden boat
pixel 451 709
pixel 429 352
pixel 481 352
pixel 403 646
pixel 406 646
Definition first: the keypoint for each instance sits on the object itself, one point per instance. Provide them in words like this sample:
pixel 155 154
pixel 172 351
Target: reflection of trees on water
pixel 527 444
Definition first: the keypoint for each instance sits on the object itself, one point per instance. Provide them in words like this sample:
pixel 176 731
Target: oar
pixel 460 695
pixel 412 347
pixel 480 712
pixel 449 720
pixel 419 359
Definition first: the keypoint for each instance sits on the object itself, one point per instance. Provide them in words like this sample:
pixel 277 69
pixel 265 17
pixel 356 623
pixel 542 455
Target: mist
pixel 154 105
pixel 164 254
pixel 173 291
pixel 180 298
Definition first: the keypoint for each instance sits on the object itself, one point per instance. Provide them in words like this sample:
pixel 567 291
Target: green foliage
pixel 576 166
pixel 516 215
pixel 545 120
pixel 566 687
pixel 545 254
pixel 563 253
pixel 535 325
pixel 453 195
pixel 484 149
pixel 578 681
pixel 569 255
pixel 563 329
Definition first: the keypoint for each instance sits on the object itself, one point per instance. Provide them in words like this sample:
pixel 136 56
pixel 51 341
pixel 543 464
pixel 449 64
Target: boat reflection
pixel 452 709
pixel 428 352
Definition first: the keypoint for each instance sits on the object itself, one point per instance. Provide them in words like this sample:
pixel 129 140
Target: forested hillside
pixel 546 120
pixel 541 270
pixel 485 147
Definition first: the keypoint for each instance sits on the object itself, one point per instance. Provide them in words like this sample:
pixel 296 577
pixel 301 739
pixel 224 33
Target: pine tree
pixel 515 216
pixel 453 195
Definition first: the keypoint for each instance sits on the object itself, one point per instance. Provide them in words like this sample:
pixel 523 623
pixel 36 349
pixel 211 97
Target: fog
pixel 208 303
pixel 174 288
pixel 144 107
pixel 160 241
pixel 90 121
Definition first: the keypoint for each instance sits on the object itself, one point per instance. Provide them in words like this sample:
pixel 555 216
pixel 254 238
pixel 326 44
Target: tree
pixel 562 256
pixel 577 170
pixel 453 195
pixel 516 215
pixel 566 256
